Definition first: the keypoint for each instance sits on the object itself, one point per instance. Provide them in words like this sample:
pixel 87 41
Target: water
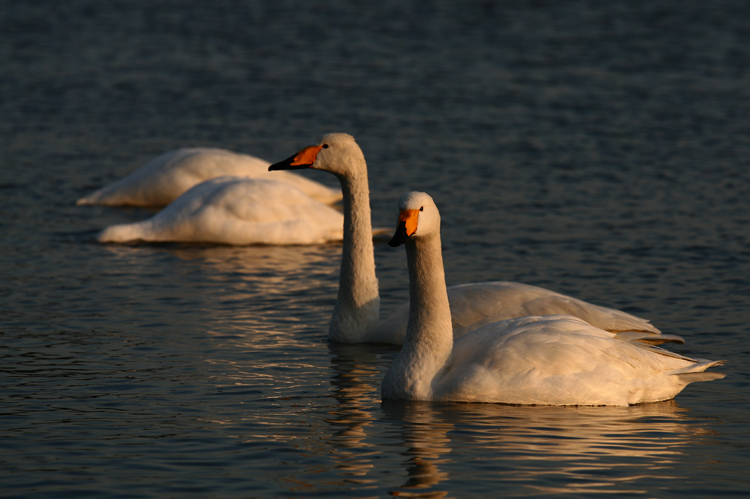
pixel 596 148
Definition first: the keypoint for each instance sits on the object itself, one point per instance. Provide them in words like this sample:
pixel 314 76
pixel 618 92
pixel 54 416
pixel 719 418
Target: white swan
pixel 164 178
pixel 542 360
pixel 356 314
pixel 236 210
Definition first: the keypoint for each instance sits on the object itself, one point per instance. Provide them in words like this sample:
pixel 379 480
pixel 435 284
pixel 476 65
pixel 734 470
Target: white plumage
pixel 543 360
pixel 164 178
pixel 236 210
pixel 479 303
pixel 356 315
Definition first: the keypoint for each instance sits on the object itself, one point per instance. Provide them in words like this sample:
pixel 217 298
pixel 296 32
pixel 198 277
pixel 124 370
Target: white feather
pixel 164 178
pixel 236 210
pixel 543 360
pixel 356 315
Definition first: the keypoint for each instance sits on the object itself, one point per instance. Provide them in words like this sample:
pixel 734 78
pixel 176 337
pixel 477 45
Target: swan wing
pixel 476 304
pixel 562 360
pixel 473 305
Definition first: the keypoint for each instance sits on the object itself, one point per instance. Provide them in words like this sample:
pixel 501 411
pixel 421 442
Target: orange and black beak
pixel 407 225
pixel 303 159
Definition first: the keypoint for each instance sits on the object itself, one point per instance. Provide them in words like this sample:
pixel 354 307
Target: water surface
pixel 597 149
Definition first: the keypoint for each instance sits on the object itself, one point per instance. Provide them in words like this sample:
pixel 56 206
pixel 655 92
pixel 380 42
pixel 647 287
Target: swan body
pixel 164 178
pixel 540 360
pixel 475 304
pixel 236 210
pixel 356 314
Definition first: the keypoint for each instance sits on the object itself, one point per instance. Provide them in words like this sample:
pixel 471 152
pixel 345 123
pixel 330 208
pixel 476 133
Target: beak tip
pixel 399 237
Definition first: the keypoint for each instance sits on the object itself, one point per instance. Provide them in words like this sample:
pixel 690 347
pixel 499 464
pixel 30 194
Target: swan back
pixel 164 178
pixel 476 304
pixel 237 210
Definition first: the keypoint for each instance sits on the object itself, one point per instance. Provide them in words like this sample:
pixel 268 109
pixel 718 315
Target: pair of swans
pixel 356 314
pixel 485 342
pixel 217 196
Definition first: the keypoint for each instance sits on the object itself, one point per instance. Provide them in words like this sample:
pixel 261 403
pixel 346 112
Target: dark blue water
pixel 601 149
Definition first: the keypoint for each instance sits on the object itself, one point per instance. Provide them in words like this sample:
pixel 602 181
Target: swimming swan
pixel 356 314
pixel 236 210
pixel 164 178
pixel 541 360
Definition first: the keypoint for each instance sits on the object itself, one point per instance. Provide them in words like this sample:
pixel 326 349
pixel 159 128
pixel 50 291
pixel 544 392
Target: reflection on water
pixel 354 380
pixel 242 287
pixel 595 148
pixel 550 449
pixel 426 444
pixel 544 450
pixel 278 261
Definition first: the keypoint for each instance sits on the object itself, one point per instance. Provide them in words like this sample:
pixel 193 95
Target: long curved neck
pixel 358 304
pixel 429 335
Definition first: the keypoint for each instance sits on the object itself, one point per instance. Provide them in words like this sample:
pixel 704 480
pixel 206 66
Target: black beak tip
pixel 281 165
pixel 287 165
pixel 399 237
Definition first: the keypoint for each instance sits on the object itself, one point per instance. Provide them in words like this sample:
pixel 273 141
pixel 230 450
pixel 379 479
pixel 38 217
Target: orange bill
pixel 410 218
pixel 407 225
pixel 306 156
pixel 303 159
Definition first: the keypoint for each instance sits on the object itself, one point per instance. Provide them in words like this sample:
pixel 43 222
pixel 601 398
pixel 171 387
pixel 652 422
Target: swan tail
pixel 699 366
pixel 690 373
pixel 693 377
pixel 650 338
pixel 695 372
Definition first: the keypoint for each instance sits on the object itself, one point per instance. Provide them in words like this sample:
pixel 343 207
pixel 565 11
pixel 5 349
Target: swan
pixel 356 313
pixel 538 360
pixel 236 210
pixel 164 178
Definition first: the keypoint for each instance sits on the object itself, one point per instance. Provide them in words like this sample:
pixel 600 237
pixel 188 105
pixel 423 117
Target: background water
pixel 596 148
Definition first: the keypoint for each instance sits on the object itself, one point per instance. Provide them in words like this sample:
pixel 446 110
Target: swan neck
pixel 429 309
pixel 358 302
pixel 429 334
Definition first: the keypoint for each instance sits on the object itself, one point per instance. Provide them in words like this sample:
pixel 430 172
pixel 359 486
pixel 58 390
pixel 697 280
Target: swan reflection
pixel 553 449
pixel 427 444
pixel 356 380
pixel 242 288
pixel 266 311
pixel 278 259
pixel 548 450
pixel 357 393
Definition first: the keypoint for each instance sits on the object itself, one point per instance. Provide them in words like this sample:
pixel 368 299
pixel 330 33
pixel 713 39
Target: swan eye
pixel 325 146
pixel 422 208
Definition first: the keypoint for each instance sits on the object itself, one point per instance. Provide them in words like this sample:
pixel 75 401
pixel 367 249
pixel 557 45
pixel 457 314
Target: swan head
pixel 418 218
pixel 337 153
